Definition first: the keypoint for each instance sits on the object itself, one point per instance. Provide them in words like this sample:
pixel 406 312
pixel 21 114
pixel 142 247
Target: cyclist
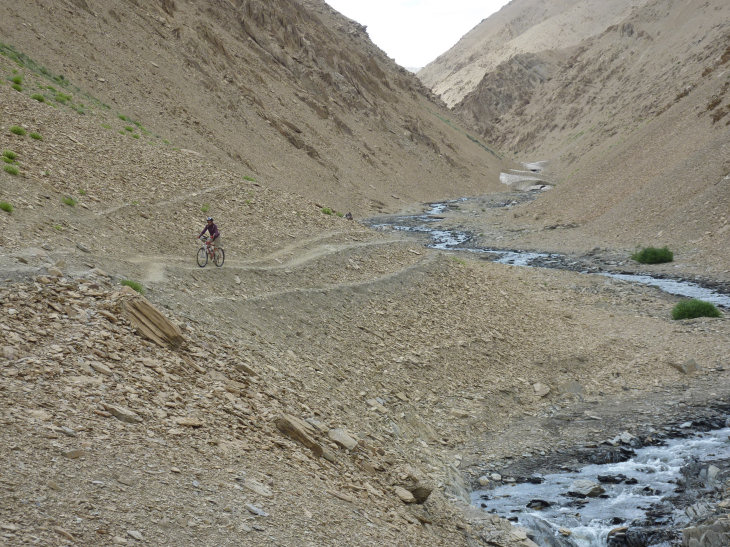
pixel 215 235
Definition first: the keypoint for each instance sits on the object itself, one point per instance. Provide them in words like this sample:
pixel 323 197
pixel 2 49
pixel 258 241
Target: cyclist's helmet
pixel 209 219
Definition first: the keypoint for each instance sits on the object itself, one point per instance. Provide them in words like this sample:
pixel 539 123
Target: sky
pixel 415 32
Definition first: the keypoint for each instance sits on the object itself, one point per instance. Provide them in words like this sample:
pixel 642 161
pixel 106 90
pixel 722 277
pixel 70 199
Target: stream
pixel 456 240
pixel 605 504
pixel 633 502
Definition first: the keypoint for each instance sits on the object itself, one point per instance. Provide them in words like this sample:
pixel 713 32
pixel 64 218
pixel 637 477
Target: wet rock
pixel 538 505
pixel 583 488
pixel 612 479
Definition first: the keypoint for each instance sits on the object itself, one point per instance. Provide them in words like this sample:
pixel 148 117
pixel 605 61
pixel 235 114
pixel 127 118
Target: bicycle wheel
pixel 220 257
pixel 202 257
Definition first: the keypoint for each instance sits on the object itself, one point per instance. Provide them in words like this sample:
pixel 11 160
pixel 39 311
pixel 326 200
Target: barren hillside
pixel 291 91
pixel 522 26
pixel 330 384
pixel 632 121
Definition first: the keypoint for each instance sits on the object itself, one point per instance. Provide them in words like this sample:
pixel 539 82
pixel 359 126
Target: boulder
pixel 299 430
pixel 342 438
pixel 583 488
pixel 150 323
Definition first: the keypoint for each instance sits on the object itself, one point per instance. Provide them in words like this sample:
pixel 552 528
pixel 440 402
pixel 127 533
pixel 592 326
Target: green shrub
pixel 5 206
pixel 11 169
pixel 327 210
pixel 9 154
pixel 134 285
pixel 17 87
pixel 205 208
pixel 653 255
pixel 17 130
pixel 690 309
pixel 17 80
pixel 36 136
pixel 38 97
pixel 68 200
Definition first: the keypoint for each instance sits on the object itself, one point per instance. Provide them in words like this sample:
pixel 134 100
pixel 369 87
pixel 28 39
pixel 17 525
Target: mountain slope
pixel 290 91
pixel 522 26
pixel 633 123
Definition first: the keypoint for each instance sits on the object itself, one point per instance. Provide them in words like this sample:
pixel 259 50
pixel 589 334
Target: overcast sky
pixel 415 32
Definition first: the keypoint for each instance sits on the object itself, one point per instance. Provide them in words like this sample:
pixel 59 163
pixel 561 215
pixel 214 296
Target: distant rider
pixel 215 235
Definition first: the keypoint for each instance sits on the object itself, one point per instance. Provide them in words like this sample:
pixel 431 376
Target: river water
pixel 456 240
pixel 634 490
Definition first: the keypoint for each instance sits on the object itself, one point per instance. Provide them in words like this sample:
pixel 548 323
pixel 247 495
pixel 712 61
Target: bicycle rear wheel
pixel 202 257
pixel 219 257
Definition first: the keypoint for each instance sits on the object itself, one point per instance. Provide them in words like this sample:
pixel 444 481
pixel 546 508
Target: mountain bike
pixel 206 252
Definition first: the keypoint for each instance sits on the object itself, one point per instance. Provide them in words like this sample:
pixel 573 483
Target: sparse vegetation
pixel 250 179
pixel 68 200
pixel 205 208
pixel 62 98
pixel 82 192
pixel 5 206
pixel 36 136
pixel 327 210
pixel 11 170
pixel 17 87
pixel 691 309
pixel 7 160
pixel 17 80
pixel 128 128
pixel 653 255
pixel 133 285
pixel 17 130
pixel 38 97
pixel 9 154
pixel 123 118
pixel 135 136
pixel 106 126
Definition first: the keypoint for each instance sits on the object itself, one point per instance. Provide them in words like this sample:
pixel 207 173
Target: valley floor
pixel 435 365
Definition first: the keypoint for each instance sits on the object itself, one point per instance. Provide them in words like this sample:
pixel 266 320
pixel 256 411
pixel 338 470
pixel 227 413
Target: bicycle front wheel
pixel 202 257
pixel 219 257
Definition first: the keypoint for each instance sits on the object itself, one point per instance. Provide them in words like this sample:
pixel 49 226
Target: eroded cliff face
pixel 290 90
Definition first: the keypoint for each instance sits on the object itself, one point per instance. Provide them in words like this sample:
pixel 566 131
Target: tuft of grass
pixel 7 160
pixel 249 179
pixel 11 170
pixel 9 154
pixel 123 118
pixel 135 136
pixel 653 255
pixel 82 192
pixel 327 210
pixel 36 136
pixel 106 126
pixel 38 97
pixel 690 309
pixel 17 87
pixel 5 206
pixel 134 285
pixel 17 80
pixel 68 200
pixel 17 130
pixel 205 208
pixel 129 128
pixel 58 227
pixel 62 98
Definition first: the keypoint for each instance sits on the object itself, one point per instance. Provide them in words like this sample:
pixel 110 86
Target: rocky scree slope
pixel 290 89
pixel 634 124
